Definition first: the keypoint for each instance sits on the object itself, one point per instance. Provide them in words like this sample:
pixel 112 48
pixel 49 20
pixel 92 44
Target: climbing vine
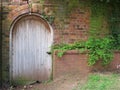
pixel 98 49
pixel 62 48
pixel 98 44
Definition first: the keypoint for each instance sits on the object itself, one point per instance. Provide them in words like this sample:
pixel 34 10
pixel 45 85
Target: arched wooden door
pixel 31 39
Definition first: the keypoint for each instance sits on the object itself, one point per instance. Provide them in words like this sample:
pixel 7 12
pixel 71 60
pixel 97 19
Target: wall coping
pixel 73 52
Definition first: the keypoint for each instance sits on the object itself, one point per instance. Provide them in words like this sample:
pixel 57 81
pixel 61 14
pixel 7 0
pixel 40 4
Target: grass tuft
pixel 101 82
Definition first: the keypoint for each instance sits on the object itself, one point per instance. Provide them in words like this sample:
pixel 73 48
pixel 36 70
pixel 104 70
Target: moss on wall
pixel 99 20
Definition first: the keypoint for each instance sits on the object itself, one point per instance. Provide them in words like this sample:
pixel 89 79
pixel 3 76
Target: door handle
pixel 49 52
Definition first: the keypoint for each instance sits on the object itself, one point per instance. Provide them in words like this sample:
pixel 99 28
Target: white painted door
pixel 31 40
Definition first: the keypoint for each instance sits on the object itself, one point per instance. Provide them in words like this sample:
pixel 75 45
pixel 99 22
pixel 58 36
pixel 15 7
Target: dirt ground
pixel 66 82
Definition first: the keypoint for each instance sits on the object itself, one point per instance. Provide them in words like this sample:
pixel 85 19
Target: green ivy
pixel 98 49
pixel 62 48
pixel 48 18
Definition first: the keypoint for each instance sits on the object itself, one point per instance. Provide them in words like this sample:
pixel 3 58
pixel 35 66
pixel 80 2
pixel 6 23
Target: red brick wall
pixel 75 27
pixel 73 62
pixel 116 63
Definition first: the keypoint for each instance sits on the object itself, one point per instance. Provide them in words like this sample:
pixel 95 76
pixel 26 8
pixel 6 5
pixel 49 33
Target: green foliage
pixel 98 18
pixel 62 48
pixel 99 49
pixel 106 12
pixel 114 22
pixel 100 82
pixel 49 18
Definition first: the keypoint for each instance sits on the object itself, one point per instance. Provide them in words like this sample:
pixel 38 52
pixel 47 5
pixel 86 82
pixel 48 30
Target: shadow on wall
pixel 1 43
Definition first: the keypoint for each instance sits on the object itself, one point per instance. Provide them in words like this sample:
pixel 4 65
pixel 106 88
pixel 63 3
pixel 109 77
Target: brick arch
pixel 26 15
pixel 22 9
pixel 17 11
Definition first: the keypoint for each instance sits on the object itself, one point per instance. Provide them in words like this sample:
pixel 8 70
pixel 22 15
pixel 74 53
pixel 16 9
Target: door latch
pixel 48 52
